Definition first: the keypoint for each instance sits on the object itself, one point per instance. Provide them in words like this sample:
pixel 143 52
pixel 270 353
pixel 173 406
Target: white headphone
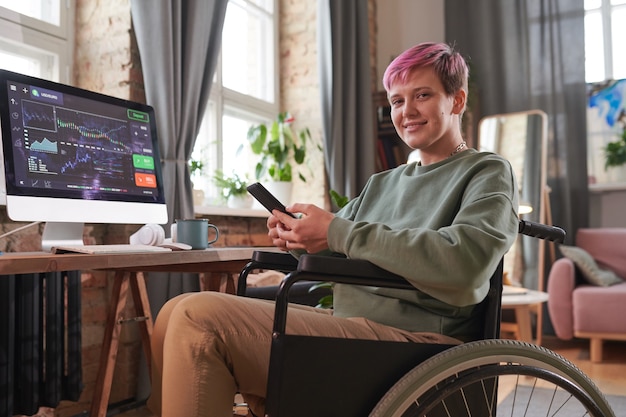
pixel 150 234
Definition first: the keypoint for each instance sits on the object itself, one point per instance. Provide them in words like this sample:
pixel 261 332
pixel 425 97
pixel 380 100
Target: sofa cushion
pixel 606 245
pixel 598 309
pixel 591 272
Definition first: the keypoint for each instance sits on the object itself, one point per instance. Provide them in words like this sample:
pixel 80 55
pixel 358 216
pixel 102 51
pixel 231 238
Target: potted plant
pixel 233 189
pixel 615 152
pixel 615 156
pixel 279 148
pixel 195 169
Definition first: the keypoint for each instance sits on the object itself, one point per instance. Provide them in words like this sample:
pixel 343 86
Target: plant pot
pixel 617 174
pixel 281 190
pixel 198 197
pixel 239 201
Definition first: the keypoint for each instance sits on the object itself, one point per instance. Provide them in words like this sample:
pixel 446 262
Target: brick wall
pixel 299 88
pixel 299 83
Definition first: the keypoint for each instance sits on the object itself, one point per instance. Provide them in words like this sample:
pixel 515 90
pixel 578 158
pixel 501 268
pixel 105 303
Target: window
pixel 35 40
pixel 605 73
pixel 605 27
pixel 44 10
pixel 244 92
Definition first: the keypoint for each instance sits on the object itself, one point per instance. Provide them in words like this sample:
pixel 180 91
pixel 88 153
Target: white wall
pixel 606 207
pixel 404 23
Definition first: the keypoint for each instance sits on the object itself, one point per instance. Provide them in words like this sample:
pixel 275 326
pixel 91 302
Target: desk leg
pixel 110 344
pixel 142 309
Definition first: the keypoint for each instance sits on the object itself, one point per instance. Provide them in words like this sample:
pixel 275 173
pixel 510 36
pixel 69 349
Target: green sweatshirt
pixel 444 227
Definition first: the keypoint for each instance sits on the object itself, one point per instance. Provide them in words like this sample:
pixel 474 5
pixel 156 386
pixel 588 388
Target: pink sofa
pixel 578 309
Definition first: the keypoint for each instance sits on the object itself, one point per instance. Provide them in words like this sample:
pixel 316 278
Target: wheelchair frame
pixel 381 378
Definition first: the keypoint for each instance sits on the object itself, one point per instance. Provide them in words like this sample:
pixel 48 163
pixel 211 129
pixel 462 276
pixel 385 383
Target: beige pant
pixel 207 346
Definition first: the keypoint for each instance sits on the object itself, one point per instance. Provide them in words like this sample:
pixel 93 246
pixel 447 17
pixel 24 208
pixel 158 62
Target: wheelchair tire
pixel 468 371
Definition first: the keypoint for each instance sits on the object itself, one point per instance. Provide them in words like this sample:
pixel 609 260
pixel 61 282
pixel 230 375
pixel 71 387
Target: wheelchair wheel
pixel 494 378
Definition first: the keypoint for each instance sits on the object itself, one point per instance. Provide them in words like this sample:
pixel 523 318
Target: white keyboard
pixel 109 249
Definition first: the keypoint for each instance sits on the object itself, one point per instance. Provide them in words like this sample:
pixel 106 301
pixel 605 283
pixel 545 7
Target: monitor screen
pixel 73 156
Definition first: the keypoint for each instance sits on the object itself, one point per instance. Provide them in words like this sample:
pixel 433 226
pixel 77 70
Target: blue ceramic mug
pixel 194 232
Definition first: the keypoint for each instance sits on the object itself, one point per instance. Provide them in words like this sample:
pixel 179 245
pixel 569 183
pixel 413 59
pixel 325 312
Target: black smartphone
pixel 266 198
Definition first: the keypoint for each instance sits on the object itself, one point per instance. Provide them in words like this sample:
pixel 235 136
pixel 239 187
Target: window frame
pixel 606 15
pixel 224 101
pixel 37 35
pixel 66 14
pixel 40 35
pixel 599 133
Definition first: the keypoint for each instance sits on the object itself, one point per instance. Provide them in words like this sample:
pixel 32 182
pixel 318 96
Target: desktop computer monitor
pixel 73 156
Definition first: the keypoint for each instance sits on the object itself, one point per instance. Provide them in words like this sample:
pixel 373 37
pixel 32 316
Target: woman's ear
pixel 460 99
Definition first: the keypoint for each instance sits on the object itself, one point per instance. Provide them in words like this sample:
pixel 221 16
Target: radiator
pixel 40 341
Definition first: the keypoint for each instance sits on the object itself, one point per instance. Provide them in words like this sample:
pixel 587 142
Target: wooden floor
pixel 608 375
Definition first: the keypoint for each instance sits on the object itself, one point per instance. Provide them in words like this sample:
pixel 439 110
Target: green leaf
pixel 287 136
pixel 257 136
pixel 338 199
pixel 325 302
pixel 239 150
pixel 285 173
pixel 259 170
pixel 299 154
pixel 277 136
pixel 305 134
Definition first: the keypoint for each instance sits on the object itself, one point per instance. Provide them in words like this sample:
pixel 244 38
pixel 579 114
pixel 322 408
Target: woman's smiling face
pixel 425 117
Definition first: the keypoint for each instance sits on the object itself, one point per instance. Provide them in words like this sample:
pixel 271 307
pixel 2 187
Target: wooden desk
pixel 129 269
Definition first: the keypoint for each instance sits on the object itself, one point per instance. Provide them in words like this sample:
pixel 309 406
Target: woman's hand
pixel 273 223
pixel 309 232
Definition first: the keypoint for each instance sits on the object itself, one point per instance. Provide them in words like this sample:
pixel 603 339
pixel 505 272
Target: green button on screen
pixel 143 162
pixel 138 115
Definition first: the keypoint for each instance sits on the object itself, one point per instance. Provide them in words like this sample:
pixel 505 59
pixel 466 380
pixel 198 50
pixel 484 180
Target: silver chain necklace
pixel 459 148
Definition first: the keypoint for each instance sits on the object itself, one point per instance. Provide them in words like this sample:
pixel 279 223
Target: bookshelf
pixel 391 151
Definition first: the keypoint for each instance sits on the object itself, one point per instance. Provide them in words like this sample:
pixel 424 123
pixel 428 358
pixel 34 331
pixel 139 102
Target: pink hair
pixel 443 58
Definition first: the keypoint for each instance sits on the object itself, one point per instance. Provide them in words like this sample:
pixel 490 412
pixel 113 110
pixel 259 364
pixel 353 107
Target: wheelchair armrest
pixel 276 261
pixel 333 269
pixel 282 259
pixel 346 271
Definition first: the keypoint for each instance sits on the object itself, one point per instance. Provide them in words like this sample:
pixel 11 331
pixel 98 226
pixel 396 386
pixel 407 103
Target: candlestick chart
pixel 77 144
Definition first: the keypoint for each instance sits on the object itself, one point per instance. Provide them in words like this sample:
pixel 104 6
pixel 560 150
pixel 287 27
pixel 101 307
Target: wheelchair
pixel 326 377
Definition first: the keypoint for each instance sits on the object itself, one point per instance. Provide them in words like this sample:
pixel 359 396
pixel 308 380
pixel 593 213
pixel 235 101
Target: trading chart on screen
pixel 65 142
